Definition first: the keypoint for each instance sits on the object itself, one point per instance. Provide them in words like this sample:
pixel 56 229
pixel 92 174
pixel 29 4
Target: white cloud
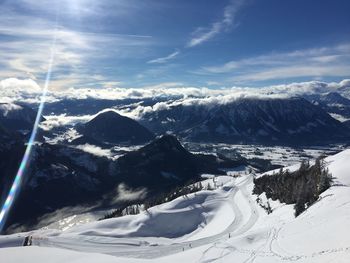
pixel 173 93
pixel 203 34
pixel 164 59
pixel 13 89
pixel 6 108
pixel 126 194
pixel 28 56
pixel 331 61
pixel 53 121
pixel 213 97
pixel 295 71
pixel 95 150
pixel 27 40
pixel 321 55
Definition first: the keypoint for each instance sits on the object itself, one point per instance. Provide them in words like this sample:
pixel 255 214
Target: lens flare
pixel 19 176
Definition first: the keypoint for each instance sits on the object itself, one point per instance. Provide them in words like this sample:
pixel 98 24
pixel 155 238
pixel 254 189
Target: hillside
pixel 221 225
pixel 61 176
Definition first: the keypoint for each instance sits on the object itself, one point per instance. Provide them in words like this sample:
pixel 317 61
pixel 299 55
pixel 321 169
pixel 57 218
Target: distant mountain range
pixel 333 103
pixel 249 120
pixel 263 120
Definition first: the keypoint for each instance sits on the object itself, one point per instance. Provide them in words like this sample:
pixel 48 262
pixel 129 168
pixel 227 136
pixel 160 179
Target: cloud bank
pixel 95 150
pixel 27 90
pixel 160 97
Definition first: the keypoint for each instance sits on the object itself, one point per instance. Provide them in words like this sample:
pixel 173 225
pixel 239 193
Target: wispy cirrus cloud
pixel 27 56
pixel 80 56
pixel 295 71
pixel 227 21
pixel 164 59
pixel 330 61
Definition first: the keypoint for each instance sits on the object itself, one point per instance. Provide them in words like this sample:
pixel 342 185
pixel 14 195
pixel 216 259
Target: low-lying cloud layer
pixel 124 193
pixel 27 90
pixel 95 150
pixel 165 95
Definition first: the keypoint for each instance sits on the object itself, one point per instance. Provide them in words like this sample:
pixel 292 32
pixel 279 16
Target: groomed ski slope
pixel 224 225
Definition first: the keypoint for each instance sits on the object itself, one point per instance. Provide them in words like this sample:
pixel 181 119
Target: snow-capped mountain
pixel 113 128
pixel 333 103
pixel 249 120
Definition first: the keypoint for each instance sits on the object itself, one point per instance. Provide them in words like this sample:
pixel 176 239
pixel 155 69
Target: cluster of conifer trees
pixel 125 210
pixel 301 187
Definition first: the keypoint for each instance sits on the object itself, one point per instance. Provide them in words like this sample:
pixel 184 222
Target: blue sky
pixel 205 43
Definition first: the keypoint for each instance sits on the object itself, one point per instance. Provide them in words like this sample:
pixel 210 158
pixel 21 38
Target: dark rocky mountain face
pixel 347 123
pixel 11 152
pixel 334 97
pixel 17 117
pixel 166 163
pixel 250 120
pixel 59 176
pixel 332 102
pixel 111 127
pixel 165 159
pixel 19 120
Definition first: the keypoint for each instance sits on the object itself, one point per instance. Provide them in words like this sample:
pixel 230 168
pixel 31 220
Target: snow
pixel 166 220
pixel 339 166
pixel 54 255
pixel 223 225
pixel 339 117
pixel 280 155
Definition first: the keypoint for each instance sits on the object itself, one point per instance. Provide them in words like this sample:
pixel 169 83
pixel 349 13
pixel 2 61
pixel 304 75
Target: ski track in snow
pixel 132 248
pixel 234 231
pixel 251 235
pixel 220 244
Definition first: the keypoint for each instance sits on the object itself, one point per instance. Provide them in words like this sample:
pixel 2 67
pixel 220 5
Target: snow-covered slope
pixel 224 225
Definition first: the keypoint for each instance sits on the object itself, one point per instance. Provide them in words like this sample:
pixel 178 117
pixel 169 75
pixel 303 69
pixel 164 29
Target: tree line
pixel 301 187
pixel 159 199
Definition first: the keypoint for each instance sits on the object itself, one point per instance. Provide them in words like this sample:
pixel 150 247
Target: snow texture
pixel 223 225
